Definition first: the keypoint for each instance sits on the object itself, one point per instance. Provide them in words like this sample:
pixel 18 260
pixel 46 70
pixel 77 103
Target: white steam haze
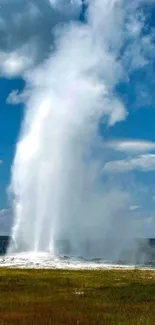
pixel 58 187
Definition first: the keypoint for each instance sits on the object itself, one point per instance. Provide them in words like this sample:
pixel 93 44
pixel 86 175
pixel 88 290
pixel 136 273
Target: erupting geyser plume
pixel 58 194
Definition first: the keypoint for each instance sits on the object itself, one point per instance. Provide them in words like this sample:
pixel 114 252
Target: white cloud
pixel 134 207
pixel 143 163
pixel 67 5
pixel 131 146
pixel 15 63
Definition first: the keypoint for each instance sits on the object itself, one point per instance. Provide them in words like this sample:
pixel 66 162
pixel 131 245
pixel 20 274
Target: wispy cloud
pixel 132 146
pixel 143 163
pixel 134 207
pixel 15 97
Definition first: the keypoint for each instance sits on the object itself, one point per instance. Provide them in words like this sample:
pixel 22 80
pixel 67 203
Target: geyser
pixel 61 203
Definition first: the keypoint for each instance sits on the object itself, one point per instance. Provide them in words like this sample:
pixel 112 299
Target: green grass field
pixel 58 297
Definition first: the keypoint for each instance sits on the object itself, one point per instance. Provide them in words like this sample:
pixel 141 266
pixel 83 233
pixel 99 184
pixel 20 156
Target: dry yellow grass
pixel 107 297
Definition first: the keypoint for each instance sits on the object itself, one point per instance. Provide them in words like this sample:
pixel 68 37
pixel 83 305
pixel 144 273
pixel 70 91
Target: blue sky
pixel 10 120
pixel 136 92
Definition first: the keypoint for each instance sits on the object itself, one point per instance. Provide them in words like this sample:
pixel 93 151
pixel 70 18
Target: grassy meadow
pixel 45 297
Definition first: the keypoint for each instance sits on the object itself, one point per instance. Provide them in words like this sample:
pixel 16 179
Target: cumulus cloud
pixel 132 146
pixel 143 163
pixel 26 31
pixel 14 64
